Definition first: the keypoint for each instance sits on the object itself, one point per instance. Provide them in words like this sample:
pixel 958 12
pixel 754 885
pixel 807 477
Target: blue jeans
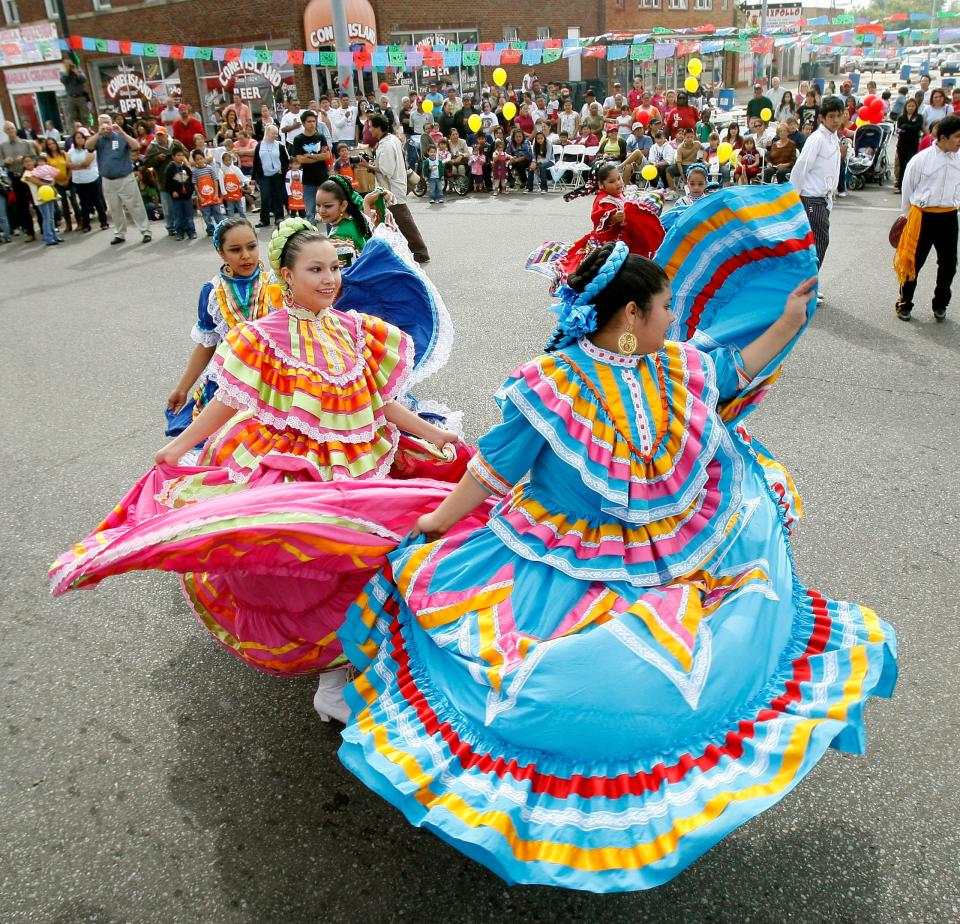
pixel 436 188
pixel 413 156
pixel 211 215
pixel 166 200
pixel 234 208
pixel 4 221
pixel 310 202
pixel 48 218
pixel 183 217
pixel 543 170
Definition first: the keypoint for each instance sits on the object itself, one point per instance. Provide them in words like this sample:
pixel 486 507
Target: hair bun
pixel 589 266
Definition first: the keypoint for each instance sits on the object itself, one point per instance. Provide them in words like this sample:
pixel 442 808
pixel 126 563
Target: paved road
pixel 149 776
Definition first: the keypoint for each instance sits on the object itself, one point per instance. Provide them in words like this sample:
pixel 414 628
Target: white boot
pixel 328 700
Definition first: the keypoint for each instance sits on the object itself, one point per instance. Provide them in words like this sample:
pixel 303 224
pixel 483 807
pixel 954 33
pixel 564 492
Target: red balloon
pixel 384 87
pixel 875 117
pixel 865 113
pixel 871 99
pixel 643 117
pixel 877 106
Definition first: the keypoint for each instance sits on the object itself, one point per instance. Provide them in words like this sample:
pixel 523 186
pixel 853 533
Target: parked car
pixel 950 65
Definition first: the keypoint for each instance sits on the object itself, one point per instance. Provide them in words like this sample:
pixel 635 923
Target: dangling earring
pixel 288 298
pixel 627 344
pixel 227 271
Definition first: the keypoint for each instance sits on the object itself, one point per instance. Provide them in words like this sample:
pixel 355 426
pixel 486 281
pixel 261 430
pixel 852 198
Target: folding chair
pixel 571 156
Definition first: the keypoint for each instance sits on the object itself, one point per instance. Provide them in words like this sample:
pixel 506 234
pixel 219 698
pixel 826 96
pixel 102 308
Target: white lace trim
pixel 235 397
pixel 440 354
pixel 605 356
pixel 207 338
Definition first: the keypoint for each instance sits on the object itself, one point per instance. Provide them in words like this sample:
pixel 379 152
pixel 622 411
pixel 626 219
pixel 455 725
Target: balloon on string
pixel 499 76
pixel 724 151
pixel 643 117
pixel 861 122
pixel 766 114
pixel 871 99
pixel 691 84
pixel 865 113
pixel 474 122
pixel 877 106
pixel 47 194
pixel 428 105
pixel 384 87
pixel 695 66
pixel 509 111
pixel 649 173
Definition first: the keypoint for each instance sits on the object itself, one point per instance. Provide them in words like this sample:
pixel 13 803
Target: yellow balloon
pixel 428 105
pixel 499 76
pixel 724 151
pixel 474 122
pixel 695 66
pixel 47 194
pixel 649 172
pixel 691 84
pixel 861 122
pixel 766 114
pixel 509 111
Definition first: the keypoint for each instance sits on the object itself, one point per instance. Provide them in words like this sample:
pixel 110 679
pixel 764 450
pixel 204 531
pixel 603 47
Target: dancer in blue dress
pixel 623 665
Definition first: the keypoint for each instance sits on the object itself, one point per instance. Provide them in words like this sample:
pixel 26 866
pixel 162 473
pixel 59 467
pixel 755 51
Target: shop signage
pixel 780 16
pixel 318 23
pixel 234 69
pixel 130 88
pixel 42 78
pixel 29 44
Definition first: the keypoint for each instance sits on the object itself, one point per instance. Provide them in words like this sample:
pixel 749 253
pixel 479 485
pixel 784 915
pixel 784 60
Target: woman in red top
pixel 525 121
pixel 683 115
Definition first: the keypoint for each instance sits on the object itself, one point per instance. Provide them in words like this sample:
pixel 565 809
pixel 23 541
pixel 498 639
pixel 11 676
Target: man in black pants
pixel 930 197
pixel 270 164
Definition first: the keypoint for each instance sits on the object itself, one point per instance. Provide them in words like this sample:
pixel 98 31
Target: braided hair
pixel 601 170
pixel 637 280
pixel 339 187
pixel 287 241
pixel 225 226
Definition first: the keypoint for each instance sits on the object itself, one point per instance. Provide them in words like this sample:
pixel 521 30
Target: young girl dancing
pixel 307 395
pixel 342 211
pixel 618 214
pixel 695 187
pixel 623 666
pixel 236 294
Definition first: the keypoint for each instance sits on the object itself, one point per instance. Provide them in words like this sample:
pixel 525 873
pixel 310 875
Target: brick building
pixel 122 79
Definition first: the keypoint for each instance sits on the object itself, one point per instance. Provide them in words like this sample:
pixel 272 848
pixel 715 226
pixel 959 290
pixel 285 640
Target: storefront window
pixel 249 82
pixel 466 79
pixel 134 84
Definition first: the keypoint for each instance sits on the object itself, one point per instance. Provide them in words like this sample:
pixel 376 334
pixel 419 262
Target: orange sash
pixel 904 260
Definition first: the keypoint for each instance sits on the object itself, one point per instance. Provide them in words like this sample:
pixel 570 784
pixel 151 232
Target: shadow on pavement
pixel 299 839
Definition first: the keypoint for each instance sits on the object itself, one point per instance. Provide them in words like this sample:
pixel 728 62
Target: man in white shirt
pixel 661 155
pixel 343 123
pixel 390 167
pixel 930 198
pixel 775 93
pixel 817 171
pixel 290 125
pixel 170 113
pixel 611 100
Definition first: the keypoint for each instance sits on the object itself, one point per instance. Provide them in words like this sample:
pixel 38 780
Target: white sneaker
pixel 842 195
pixel 328 701
pixel 820 296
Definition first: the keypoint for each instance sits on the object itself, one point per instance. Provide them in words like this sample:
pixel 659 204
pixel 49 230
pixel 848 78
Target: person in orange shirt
pixel 295 203
pixel 232 185
pixel 646 105
pixel 206 188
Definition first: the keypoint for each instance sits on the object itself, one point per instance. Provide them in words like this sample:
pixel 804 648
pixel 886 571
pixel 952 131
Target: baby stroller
pixel 868 161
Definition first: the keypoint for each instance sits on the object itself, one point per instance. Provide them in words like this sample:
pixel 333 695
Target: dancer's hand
pixel 619 217
pixel 169 455
pixel 430 526
pixel 444 437
pixel 177 399
pixel 795 311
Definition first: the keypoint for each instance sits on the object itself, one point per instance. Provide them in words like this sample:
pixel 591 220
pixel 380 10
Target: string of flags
pixel 658 44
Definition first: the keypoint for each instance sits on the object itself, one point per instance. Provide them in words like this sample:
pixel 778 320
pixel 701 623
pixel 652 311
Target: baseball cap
pixel 636 125
pixel 161 129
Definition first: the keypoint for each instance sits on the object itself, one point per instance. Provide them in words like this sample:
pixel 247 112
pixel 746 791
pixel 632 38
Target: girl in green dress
pixel 341 208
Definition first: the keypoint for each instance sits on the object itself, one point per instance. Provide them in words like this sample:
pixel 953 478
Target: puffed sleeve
pixel 731 377
pixel 507 452
pixel 205 330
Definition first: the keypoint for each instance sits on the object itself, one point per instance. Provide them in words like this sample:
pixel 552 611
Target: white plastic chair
pixel 565 162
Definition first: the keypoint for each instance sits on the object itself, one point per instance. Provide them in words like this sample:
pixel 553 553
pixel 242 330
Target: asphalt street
pixel 150 776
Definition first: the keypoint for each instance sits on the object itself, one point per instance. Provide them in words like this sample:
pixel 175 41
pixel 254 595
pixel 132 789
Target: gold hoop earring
pixel 227 271
pixel 627 344
pixel 288 298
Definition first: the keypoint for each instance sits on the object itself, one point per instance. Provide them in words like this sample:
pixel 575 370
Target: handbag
pixel 896 230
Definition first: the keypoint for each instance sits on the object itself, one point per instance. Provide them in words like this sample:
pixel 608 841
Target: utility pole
pixel 341 41
pixel 763 32
pixel 933 24
pixel 65 29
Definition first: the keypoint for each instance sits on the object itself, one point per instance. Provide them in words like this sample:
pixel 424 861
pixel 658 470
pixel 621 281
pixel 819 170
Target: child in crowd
pixel 443 152
pixel 695 186
pixel 294 181
pixel 342 165
pixel 748 162
pixel 624 122
pixel 432 170
pixel 232 185
pixel 206 186
pixel 499 170
pixel 178 181
pixel 705 128
pixel 477 161
pixel 40 176
pixel 150 193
